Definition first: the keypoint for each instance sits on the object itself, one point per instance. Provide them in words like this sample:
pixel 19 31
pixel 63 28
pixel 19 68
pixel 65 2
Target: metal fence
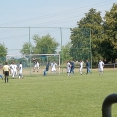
pixel 14 38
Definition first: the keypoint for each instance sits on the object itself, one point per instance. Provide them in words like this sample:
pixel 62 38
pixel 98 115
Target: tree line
pixel 94 36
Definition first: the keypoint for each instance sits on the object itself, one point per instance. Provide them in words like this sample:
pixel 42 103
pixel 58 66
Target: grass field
pixel 57 95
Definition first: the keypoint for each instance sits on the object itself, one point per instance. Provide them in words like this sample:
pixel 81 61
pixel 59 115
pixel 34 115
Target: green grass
pixel 57 95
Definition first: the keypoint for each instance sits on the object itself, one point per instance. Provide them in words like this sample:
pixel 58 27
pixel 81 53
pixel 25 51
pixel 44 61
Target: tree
pixel 80 48
pixel 27 48
pixel 89 27
pixel 65 52
pixel 110 30
pixel 45 44
pixel 3 52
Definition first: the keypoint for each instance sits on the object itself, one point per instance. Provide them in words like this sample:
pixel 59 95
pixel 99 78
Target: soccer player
pixel 34 61
pixel 100 66
pixel 36 65
pixel 72 67
pixel 11 68
pixel 1 76
pixel 54 67
pixel 88 67
pixel 81 67
pixel 14 66
pixel 46 69
pixel 20 71
pixel 68 67
pixel 6 70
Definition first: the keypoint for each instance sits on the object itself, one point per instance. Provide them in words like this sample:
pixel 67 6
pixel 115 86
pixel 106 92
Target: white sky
pixel 43 13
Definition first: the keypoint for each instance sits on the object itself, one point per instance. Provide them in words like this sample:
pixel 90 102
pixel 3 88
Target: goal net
pixel 28 62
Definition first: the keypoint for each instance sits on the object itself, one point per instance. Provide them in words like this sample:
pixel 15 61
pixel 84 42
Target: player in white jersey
pixel 54 67
pixel 11 68
pixel 14 66
pixel 101 66
pixel 68 67
pixel 81 67
pixel 36 65
pixel 20 71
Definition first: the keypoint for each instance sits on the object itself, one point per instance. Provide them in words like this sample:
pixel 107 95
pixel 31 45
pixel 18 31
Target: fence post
pixel 30 51
pixel 114 66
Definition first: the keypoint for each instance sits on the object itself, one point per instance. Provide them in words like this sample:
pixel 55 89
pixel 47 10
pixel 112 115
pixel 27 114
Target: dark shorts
pixel 6 73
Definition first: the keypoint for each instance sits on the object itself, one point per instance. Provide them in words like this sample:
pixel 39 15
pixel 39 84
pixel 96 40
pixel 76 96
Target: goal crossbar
pixel 31 55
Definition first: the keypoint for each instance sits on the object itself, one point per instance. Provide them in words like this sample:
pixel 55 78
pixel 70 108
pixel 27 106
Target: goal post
pixel 47 58
pixel 28 64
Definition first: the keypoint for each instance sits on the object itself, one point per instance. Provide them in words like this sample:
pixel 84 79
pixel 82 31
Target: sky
pixel 53 17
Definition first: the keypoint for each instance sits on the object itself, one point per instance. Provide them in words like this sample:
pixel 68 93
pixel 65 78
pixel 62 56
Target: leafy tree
pixel 80 48
pixel 89 27
pixel 3 53
pixel 45 44
pixel 110 30
pixel 27 48
pixel 65 53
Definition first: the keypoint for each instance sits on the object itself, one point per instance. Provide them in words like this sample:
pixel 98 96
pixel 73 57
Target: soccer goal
pixel 29 63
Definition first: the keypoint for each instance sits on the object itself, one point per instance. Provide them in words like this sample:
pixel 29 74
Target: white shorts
pixel 68 70
pixel 101 69
pixel 80 69
pixel 53 69
pixel 36 66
